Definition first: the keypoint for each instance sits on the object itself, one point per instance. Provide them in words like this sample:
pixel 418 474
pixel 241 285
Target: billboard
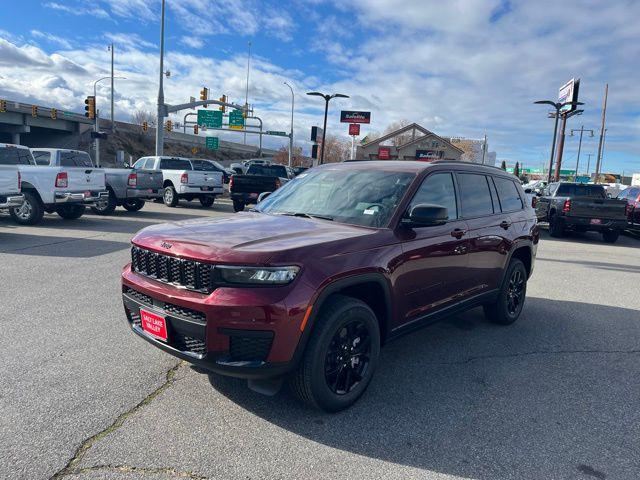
pixel 569 93
pixel 349 116
pixel 384 153
pixel 427 155
pixel 354 129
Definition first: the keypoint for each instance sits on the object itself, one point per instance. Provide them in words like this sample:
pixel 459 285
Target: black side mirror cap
pixel 428 215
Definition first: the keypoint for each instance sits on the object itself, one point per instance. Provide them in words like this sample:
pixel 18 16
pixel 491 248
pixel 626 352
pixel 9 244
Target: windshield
pixel 268 170
pixel 572 190
pixel 357 197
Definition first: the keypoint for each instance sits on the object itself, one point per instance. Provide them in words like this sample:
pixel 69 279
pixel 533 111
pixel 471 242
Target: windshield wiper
pixel 306 215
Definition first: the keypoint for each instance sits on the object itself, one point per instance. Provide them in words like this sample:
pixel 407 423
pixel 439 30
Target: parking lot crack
pixel 142 471
pixel 537 352
pixel 72 465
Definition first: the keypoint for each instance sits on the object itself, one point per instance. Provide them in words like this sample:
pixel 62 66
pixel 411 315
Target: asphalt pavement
pixel 554 396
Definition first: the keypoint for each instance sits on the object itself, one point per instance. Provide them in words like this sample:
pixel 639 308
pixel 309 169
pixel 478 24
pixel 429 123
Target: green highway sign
pixel 210 118
pixel 212 142
pixel 236 120
pixel 275 132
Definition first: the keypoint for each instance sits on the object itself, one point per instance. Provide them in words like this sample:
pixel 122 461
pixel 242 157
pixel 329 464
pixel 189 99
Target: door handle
pixel 458 233
pixel 504 224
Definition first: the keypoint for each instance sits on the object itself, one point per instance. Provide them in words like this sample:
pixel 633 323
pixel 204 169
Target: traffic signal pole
pixel 161 106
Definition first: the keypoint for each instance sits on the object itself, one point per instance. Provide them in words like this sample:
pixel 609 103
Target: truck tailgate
pixel 8 179
pixel 609 208
pixel 204 179
pixel 149 179
pixel 82 179
pixel 252 184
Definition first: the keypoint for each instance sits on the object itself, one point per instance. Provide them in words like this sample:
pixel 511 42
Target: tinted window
pixel 508 194
pixel 437 189
pixel 175 164
pixel 202 166
pixel 475 198
pixel 42 158
pixel 268 170
pixel 75 159
pixel 580 190
pixel 15 156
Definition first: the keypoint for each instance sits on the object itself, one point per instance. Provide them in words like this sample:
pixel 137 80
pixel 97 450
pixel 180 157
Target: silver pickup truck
pixel 65 191
pixel 10 195
pixel 127 187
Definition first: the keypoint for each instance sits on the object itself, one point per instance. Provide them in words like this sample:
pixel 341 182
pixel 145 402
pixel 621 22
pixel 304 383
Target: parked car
pixel 218 167
pixel 238 168
pixel 330 267
pixel 126 187
pixel 65 191
pixel 10 180
pixel 298 170
pixel 186 179
pixel 631 196
pixel 581 207
pixel 245 189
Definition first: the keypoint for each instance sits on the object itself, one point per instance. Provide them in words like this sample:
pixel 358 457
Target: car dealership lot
pixel 553 396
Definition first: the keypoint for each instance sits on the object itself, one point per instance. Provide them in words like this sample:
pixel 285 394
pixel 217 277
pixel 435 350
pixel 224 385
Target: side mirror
pixel 263 195
pixel 428 215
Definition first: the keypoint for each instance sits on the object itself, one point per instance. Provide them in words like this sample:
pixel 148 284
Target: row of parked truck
pixel 47 180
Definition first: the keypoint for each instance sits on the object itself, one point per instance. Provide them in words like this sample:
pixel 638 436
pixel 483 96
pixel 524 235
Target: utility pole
pixel 113 125
pixel 602 130
pixel 582 130
pixel 97 129
pixel 484 148
pixel 293 99
pixel 246 96
pixel 161 106
pixel 588 162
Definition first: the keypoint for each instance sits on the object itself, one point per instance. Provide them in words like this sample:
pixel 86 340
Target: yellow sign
pixel 194 150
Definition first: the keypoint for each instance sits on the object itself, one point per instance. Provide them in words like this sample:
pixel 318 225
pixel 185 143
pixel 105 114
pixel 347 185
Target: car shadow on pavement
pixel 552 396
pixel 615 267
pixel 589 238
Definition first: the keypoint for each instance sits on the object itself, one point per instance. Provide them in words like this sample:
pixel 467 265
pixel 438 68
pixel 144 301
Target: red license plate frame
pixel 154 324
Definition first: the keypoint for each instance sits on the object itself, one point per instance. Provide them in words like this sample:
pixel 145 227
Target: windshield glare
pixel 357 197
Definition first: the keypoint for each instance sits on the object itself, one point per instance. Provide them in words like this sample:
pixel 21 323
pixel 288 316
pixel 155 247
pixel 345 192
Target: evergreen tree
pixel 516 170
pixel 503 165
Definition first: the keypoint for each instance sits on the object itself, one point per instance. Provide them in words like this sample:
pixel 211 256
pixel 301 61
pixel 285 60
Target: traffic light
pixel 169 125
pixel 223 99
pixel 204 95
pixel 145 126
pixel 54 113
pixel 90 107
pixel 3 105
pixel 195 129
pixel 34 111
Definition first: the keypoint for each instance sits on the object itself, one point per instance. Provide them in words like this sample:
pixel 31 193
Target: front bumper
pixel 144 193
pixel 231 332
pixel 584 223
pixel 11 201
pixel 203 190
pixel 81 197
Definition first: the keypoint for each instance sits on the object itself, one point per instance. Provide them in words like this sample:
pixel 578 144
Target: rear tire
pixel 70 212
pixel 556 227
pixel 133 205
pixel 610 236
pixel 170 196
pixel 30 212
pixel 108 207
pixel 207 200
pixel 341 356
pixel 238 206
pixel 508 306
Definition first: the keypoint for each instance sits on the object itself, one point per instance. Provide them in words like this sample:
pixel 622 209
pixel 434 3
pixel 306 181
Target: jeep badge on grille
pixel 166 245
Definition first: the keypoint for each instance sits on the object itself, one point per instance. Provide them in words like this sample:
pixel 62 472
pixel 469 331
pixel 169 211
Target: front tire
pixel 170 196
pixel 133 205
pixel 341 356
pixel 238 206
pixel 70 212
pixel 610 236
pixel 108 207
pixel 30 212
pixel 207 200
pixel 508 306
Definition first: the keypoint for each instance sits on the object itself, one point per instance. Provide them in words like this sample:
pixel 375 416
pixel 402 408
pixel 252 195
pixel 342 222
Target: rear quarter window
pixel 508 194
pixel 475 196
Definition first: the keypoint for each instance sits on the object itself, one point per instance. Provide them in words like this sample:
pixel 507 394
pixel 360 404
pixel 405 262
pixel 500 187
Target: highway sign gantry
pixel 236 120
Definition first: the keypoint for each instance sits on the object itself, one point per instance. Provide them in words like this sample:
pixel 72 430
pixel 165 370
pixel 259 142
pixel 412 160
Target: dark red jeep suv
pixel 309 284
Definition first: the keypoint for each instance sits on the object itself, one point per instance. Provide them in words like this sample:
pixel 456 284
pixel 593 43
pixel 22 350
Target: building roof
pixel 406 128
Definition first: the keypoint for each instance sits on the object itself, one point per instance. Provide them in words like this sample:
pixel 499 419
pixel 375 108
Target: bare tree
pixel 403 137
pixel 282 156
pixel 336 149
pixel 138 117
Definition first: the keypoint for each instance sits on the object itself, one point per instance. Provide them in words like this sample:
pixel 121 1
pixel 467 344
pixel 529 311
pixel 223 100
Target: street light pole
pixel 161 106
pixel 112 78
pixel 582 130
pixel 96 123
pixel 246 95
pixel 326 97
pixel 293 99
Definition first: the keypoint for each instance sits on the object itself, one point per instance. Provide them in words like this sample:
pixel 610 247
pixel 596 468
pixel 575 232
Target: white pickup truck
pixel 9 184
pixel 127 187
pixel 65 191
pixel 185 179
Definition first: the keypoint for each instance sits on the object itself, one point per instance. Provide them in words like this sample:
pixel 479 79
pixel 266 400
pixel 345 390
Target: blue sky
pixel 459 68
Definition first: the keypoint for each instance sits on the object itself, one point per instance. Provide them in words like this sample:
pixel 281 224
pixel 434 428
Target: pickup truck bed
pixel 9 187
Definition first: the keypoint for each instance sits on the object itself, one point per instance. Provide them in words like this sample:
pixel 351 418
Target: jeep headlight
pixel 257 275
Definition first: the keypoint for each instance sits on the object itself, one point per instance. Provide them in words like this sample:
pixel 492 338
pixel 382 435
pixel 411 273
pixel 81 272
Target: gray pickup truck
pixel 581 207
pixel 127 187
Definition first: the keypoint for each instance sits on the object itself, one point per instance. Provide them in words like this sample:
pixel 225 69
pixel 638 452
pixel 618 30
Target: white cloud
pixel 128 40
pixel 78 9
pixel 192 42
pixel 64 43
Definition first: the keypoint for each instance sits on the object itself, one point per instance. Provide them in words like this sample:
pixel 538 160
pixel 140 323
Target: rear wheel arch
pixel 167 183
pixel 26 186
pixel 525 255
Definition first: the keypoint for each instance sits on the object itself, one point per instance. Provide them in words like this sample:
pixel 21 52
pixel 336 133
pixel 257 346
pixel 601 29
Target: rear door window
pixel 508 194
pixel 475 196
pixel 437 189
pixel 42 157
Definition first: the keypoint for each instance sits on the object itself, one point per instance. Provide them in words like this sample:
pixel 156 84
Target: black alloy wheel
pixel 348 357
pixel 515 291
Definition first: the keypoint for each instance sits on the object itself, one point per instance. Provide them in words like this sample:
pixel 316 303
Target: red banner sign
pixel 354 129
pixel 384 153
